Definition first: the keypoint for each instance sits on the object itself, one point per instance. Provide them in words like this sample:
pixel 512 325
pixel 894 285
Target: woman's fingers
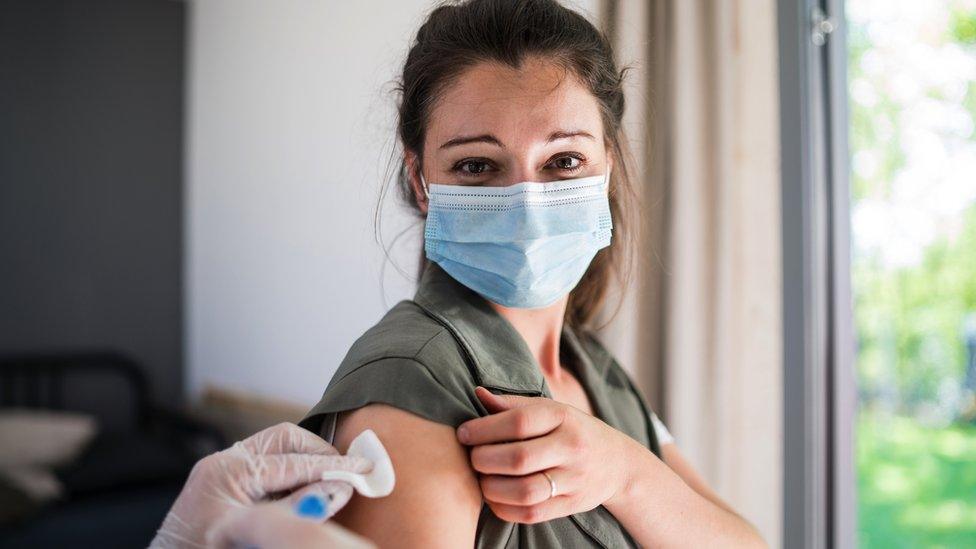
pixel 531 489
pixel 518 458
pixel 516 424
pixel 559 506
pixel 287 438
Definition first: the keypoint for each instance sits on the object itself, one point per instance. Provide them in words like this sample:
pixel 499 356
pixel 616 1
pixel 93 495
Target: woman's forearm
pixel 659 509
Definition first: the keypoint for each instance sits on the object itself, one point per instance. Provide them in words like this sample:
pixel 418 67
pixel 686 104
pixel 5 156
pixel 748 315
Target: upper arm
pixel 674 459
pixel 436 500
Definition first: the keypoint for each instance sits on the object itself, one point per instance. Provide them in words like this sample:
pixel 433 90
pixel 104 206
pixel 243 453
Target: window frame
pixel 819 385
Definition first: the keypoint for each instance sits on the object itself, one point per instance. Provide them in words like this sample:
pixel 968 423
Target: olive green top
pixel 427 355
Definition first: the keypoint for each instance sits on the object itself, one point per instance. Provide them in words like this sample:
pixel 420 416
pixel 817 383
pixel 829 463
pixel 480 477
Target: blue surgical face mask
pixel 524 245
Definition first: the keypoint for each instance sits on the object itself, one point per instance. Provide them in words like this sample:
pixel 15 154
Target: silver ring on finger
pixel 552 485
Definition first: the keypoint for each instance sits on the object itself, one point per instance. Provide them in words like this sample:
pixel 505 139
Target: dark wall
pixel 91 161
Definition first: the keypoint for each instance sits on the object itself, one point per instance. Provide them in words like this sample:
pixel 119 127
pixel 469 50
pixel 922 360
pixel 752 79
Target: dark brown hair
pixel 458 35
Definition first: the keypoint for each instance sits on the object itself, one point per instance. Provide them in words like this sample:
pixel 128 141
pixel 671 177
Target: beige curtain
pixel 702 333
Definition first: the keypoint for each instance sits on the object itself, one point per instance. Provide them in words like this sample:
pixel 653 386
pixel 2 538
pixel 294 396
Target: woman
pixel 510 122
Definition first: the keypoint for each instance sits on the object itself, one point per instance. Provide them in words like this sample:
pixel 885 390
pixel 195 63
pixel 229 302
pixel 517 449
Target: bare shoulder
pixel 437 499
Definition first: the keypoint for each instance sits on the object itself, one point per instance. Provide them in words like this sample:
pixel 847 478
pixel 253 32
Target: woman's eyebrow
pixel 484 138
pixel 491 139
pixel 566 134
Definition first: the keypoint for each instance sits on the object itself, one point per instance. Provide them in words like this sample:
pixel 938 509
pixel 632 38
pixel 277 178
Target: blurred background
pixel 912 69
pixel 189 197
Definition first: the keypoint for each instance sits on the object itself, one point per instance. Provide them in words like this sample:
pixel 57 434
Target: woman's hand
pixel 279 459
pixel 586 458
pixel 592 464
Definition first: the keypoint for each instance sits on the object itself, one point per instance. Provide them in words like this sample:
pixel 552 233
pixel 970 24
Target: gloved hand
pixel 279 459
pixel 274 526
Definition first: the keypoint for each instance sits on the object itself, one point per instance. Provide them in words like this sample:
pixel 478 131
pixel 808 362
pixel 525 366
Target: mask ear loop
pixel 424 185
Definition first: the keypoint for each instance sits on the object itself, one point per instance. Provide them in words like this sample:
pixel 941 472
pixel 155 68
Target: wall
pixel 90 180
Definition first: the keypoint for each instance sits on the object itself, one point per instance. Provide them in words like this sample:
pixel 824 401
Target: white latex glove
pixel 273 526
pixel 278 460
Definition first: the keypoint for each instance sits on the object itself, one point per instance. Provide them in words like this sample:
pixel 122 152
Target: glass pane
pixel 912 75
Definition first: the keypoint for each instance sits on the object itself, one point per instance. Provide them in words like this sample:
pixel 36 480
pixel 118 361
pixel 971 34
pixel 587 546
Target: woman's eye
pixel 569 163
pixel 475 167
pixel 471 167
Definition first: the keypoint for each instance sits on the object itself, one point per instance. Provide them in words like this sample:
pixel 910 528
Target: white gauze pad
pixel 378 482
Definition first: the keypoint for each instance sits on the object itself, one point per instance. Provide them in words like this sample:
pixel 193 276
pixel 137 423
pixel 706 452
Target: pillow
pixel 39 484
pixel 42 438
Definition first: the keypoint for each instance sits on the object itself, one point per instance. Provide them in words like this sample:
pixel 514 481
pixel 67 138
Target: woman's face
pixel 499 126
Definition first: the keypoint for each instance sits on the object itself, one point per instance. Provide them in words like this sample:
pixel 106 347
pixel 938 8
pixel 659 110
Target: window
pixel 912 105
pixel 877 118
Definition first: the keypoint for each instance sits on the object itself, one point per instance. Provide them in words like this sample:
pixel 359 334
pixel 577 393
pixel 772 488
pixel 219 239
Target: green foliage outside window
pixel 912 76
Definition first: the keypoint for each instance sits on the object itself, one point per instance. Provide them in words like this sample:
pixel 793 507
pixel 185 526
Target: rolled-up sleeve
pixel 404 383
